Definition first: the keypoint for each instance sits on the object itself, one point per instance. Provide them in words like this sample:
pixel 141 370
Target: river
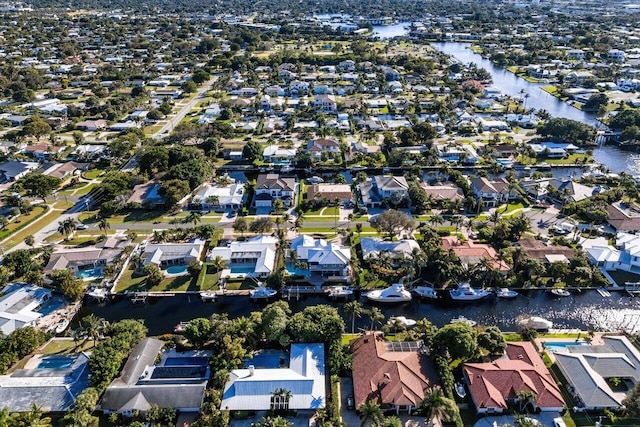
pixel 586 310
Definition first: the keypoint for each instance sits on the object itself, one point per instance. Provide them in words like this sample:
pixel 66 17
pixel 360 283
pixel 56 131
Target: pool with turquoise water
pixel 92 273
pixel 555 346
pixel 241 269
pixel 176 269
pixel 56 362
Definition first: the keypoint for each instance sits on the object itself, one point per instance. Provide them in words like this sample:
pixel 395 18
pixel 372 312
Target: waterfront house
pixel 492 193
pixel 153 377
pixel 19 306
pixel 254 388
pixel 624 216
pixel 167 254
pixel 320 146
pixel 395 375
pixel 392 188
pixel 544 253
pixel 272 186
pixel 255 257
pixel 625 256
pixel 212 196
pixel 330 261
pixel 330 192
pixel 446 191
pixel 274 153
pixel 494 385
pixel 51 382
pixel 87 259
pixel 589 369
pixel 374 247
pixel 472 253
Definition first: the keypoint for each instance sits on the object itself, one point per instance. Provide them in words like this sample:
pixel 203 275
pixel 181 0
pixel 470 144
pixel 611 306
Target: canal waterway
pixel 613 158
pixel 586 310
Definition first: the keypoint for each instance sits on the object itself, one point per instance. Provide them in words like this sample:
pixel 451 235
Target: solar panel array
pixel 402 346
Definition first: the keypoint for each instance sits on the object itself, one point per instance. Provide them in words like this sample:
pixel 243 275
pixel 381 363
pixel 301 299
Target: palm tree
pixel 240 224
pixel 93 327
pixel 278 205
pixel 376 316
pixel 525 397
pixel 67 227
pixel 437 219
pixel 437 406
pixel 104 225
pixel 495 217
pixel 369 412
pixel 218 263
pixel 391 422
pixel 354 308
pixel 77 335
pixel 194 217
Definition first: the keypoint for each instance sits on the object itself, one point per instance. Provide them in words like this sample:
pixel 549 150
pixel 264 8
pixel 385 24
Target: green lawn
pixel 59 346
pixel 347 338
pixel 208 278
pixel 22 221
pixel 86 189
pixel 93 173
pixel 571 159
pixel 170 284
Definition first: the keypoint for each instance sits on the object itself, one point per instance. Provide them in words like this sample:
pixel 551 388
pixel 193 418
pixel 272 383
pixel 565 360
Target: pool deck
pixel 597 340
pixel 51 321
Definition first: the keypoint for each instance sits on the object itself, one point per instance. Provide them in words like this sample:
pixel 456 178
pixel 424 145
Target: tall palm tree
pixel 355 308
pixel 495 217
pixel 369 412
pixel 218 263
pixel 525 397
pixel 375 316
pixel 67 227
pixel 104 225
pixel 93 327
pixel 194 217
pixel 392 421
pixel 437 219
pixel 437 406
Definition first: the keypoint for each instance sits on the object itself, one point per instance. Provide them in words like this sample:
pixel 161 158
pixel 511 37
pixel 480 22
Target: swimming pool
pixel 186 361
pixel 269 360
pixel 241 269
pixel 176 269
pixel 296 271
pixel 556 346
pixel 90 274
pixel 56 362
pixel 54 303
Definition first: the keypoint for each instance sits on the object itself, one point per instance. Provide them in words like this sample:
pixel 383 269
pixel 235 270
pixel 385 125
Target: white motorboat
pixel 462 319
pixel 208 296
pixel 465 292
pixel 535 322
pixel 262 292
pixel 407 323
pixel 395 293
pixel 426 292
pixel 180 327
pixel 506 293
pixel 336 292
pixel 98 293
pixel 460 391
pixel 62 326
pixel 559 292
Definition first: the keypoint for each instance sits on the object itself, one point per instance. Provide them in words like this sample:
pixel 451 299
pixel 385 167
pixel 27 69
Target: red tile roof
pixel 389 378
pixel 471 252
pixel 521 369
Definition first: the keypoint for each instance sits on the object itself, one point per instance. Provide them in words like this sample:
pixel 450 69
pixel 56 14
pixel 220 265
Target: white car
pixel 559 422
pixel 81 226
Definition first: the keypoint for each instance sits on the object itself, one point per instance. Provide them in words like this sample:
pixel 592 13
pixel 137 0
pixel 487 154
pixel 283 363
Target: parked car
pixel 559 422
pixel 350 403
pixel 81 226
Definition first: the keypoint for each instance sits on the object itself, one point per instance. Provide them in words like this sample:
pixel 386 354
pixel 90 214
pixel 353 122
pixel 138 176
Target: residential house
pixel 616 55
pixel 320 146
pixel 559 190
pixel 91 125
pixel 625 256
pixel 147 194
pixel 275 153
pixel 13 170
pixel 374 247
pixel 395 189
pixel 272 186
pixel 325 103
pixel 88 151
pixel 330 261
pixel 298 88
pixel 622 216
pixel 445 191
pixel 393 374
pixel 177 381
pixel 87 261
pixel 472 253
pixel 255 257
pixel 588 369
pixel 330 192
pixel 492 193
pixel 19 305
pixel 254 389
pixel 42 151
pixel 535 249
pixel 494 385
pixel 61 170
pixel 575 54
pixel 51 388
pixel 167 254
pixel 216 196
pixel 124 126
